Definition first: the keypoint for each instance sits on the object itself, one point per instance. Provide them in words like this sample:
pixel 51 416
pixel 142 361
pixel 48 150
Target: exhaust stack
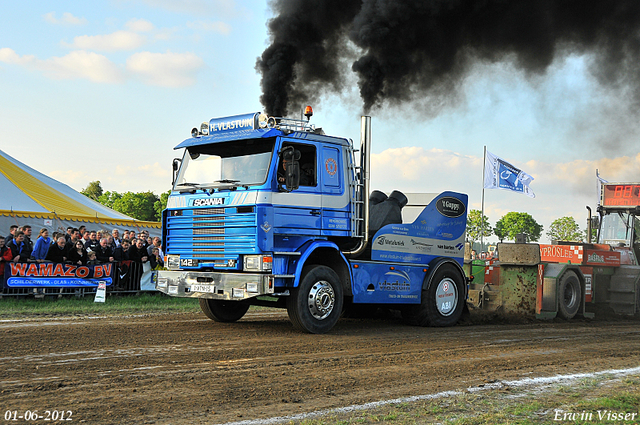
pixel 365 161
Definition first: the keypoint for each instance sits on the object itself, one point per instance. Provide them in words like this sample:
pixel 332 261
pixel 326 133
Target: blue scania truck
pixel 273 212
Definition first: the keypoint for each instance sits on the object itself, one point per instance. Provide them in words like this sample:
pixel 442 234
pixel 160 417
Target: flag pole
pixel 484 163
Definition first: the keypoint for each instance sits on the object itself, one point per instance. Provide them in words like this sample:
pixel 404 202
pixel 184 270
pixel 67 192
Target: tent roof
pixel 29 193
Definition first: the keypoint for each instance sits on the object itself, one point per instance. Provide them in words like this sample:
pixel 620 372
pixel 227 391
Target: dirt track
pixel 186 369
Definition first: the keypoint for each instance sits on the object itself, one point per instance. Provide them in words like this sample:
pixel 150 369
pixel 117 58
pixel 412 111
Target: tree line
pixel 514 223
pixel 145 206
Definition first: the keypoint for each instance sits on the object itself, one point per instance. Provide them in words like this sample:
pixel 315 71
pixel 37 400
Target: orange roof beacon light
pixel 308 112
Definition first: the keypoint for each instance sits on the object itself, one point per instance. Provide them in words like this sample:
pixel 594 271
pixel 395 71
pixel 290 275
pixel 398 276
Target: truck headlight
pixel 257 263
pixel 173 262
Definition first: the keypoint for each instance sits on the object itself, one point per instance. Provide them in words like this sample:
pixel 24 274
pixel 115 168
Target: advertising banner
pixel 603 258
pixel 43 275
pixel 561 253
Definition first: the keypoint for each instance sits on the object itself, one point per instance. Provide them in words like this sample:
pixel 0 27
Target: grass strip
pixel 599 400
pixel 16 308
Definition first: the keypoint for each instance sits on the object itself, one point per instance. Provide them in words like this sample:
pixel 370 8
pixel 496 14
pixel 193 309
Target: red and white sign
pixel 491 272
pixel 561 254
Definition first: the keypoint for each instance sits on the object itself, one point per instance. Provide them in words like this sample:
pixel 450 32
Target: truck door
pixel 299 211
pixel 335 196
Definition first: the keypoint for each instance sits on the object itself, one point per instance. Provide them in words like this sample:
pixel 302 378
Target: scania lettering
pixel 274 212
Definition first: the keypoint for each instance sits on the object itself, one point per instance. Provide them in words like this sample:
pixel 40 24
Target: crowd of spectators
pixel 80 246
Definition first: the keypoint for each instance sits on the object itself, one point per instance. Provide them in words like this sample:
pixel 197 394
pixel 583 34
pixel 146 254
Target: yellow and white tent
pixel 30 197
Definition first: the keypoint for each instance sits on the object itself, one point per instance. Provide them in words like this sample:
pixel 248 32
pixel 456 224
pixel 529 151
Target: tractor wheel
pixel 569 295
pixel 223 310
pixel 316 304
pixel 442 302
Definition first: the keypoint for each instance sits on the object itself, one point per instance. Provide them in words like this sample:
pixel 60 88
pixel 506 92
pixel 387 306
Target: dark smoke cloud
pixel 409 49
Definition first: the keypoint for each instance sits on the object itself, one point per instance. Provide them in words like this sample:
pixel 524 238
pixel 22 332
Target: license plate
pixel 203 288
pixel 188 262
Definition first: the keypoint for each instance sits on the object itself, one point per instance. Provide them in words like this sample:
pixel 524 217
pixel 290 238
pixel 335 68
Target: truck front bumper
pixel 214 285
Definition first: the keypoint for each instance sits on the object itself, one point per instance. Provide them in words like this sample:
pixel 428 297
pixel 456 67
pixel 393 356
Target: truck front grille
pixel 211 233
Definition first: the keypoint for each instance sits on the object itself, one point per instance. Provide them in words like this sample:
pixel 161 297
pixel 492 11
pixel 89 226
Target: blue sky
pixel 104 90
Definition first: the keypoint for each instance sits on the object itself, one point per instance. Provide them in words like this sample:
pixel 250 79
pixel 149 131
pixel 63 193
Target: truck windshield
pixel 237 163
pixel 617 228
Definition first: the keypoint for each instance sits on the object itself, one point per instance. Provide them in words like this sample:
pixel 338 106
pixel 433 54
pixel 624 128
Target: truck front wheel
pixel 316 304
pixel 569 295
pixel 224 311
pixel 442 302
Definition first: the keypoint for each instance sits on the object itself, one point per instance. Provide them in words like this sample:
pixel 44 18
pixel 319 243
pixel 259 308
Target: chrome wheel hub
pixel 321 300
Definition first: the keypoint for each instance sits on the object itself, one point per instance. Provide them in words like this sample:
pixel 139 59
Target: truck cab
pixel 619 211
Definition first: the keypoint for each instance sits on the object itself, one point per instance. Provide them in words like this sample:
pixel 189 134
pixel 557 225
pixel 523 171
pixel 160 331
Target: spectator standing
pixel 121 253
pixel 75 236
pixel 17 247
pixel 42 245
pixel 91 258
pixel 93 242
pixel 77 254
pixel 5 256
pixel 58 252
pixel 115 233
pixel 85 237
pixel 67 235
pixel 138 252
pixel 12 231
pixel 154 258
pixel 28 244
pixel 104 254
pixel 157 243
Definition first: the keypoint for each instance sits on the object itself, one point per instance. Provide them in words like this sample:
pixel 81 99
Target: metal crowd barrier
pixel 126 280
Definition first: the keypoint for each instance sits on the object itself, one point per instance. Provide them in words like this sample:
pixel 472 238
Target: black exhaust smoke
pixel 408 49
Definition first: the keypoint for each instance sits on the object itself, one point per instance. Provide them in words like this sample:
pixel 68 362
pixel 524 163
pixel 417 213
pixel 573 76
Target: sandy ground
pixel 187 369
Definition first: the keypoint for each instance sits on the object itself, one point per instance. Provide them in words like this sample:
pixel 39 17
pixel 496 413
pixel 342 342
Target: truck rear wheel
pixel 223 310
pixel 316 304
pixel 442 302
pixel 569 295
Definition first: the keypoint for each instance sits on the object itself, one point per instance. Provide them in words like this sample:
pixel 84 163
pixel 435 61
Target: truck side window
pixel 308 171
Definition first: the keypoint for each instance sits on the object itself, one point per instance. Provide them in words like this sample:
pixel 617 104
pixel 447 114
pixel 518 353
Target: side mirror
pixel 595 222
pixel 292 176
pixel 175 165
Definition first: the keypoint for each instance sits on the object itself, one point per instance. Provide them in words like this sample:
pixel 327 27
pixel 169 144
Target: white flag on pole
pixel 499 174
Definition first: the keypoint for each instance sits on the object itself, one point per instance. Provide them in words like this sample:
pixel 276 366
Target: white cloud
pixel 77 64
pixel 82 64
pixel 165 69
pixel 117 41
pixel 67 19
pixel 8 55
pixel 139 25
pixel 218 27
pixel 158 69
